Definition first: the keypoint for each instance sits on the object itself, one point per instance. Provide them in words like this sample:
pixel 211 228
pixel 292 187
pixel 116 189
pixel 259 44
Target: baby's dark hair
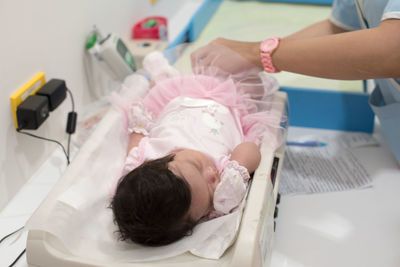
pixel 151 203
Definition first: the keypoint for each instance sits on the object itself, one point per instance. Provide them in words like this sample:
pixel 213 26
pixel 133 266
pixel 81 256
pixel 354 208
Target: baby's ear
pixel 212 177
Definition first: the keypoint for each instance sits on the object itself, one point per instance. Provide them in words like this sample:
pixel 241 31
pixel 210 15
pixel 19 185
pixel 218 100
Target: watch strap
pixel 266 58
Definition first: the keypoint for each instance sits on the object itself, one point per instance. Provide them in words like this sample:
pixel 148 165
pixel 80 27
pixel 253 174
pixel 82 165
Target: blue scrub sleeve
pixel 387 110
pixel 344 15
pixel 392 10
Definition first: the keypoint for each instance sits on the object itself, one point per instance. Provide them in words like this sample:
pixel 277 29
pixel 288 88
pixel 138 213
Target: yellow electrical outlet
pixel 30 88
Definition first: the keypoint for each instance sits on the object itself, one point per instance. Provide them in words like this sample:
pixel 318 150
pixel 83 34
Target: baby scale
pixel 253 245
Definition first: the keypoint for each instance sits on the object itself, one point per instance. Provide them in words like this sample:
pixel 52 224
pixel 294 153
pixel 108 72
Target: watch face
pixel 269 45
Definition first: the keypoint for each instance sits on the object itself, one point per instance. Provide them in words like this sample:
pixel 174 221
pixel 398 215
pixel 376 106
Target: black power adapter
pixel 32 112
pixel 35 109
pixel 55 90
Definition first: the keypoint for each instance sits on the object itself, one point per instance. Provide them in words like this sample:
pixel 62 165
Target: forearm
pixel 251 50
pixel 322 28
pixel 363 54
pixel 357 55
pixel 134 140
pixel 248 155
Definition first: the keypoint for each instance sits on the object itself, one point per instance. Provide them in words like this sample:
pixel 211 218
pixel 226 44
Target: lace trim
pixel 244 173
pixel 140 120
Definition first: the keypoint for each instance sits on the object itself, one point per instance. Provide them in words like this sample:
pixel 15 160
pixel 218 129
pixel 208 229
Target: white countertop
pixel 348 228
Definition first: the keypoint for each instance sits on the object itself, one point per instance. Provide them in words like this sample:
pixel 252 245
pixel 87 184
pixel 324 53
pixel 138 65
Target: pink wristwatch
pixel 267 48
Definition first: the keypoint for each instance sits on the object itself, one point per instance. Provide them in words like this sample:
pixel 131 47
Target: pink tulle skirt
pixel 247 95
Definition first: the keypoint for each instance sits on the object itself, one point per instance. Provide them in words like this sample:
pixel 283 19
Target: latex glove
pixel 228 55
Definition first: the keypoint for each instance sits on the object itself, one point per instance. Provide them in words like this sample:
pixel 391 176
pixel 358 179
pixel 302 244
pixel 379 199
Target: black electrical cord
pixel 66 151
pixel 72 99
pixel 69 132
pixel 46 139
pixel 22 253
pixel 10 234
pixel 17 258
pixel 69 145
pixel 67 157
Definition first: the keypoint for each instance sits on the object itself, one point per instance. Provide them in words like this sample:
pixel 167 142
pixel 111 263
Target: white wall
pixel 49 36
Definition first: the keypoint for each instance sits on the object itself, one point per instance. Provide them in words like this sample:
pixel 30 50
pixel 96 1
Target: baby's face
pixel 202 176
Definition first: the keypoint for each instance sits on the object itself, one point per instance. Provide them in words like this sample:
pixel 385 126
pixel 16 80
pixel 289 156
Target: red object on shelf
pixel 151 28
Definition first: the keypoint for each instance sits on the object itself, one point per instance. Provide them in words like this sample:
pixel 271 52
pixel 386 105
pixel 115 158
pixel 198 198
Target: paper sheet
pixel 325 169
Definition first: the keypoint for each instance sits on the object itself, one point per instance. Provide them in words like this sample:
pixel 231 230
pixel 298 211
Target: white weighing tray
pixel 254 240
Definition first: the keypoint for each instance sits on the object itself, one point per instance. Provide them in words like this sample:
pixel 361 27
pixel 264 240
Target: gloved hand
pixel 228 55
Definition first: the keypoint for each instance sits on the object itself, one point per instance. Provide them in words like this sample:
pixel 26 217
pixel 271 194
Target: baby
pixel 193 145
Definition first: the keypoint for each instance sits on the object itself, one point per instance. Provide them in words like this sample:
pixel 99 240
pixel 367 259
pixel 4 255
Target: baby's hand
pixel 248 155
pixel 232 188
pixel 140 120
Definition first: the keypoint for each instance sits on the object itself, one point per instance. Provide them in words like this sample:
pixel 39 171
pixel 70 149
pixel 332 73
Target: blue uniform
pixel 385 99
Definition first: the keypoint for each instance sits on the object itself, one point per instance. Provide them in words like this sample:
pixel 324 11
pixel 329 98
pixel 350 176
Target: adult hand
pixel 228 55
